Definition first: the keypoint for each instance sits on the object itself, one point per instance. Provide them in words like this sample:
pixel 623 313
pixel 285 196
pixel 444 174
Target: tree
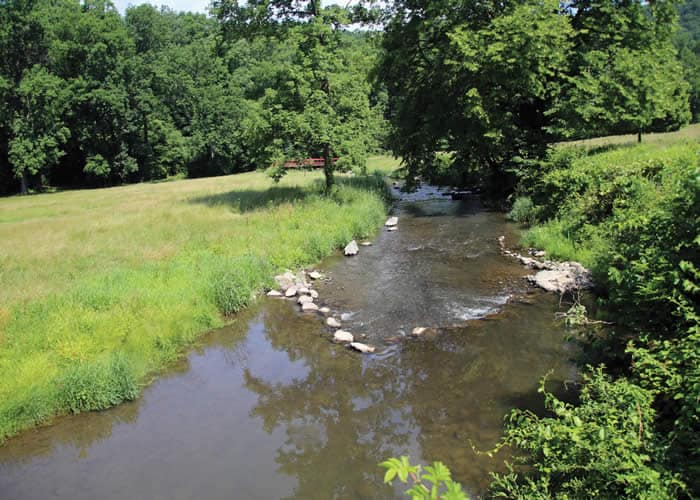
pixel 38 131
pixel 321 105
pixel 475 79
pixel 625 75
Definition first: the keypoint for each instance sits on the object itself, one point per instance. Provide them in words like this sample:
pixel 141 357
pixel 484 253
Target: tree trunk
pixel 24 181
pixel 328 167
pixel 639 136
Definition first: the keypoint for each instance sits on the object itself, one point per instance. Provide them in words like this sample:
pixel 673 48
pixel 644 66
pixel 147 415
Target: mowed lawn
pixel 99 289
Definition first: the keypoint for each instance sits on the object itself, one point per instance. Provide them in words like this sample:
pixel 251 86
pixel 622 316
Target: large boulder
pixel 351 248
pixel 564 277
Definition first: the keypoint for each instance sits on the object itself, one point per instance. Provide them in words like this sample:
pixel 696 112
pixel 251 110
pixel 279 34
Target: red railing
pixel 307 163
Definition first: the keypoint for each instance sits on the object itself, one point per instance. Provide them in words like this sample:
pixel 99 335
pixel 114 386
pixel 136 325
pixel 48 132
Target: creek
pixel 268 407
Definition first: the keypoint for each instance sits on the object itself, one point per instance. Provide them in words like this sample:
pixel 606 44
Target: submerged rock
pixel 351 248
pixel 274 293
pixel 343 336
pixel 365 243
pixel 363 348
pixel 333 323
pixel 391 221
pixel 309 307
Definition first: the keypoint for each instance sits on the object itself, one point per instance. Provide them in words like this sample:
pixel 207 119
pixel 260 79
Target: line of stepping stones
pixel 296 285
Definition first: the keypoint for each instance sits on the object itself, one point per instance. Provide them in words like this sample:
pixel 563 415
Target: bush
pixel 631 214
pixel 604 447
pixel 523 211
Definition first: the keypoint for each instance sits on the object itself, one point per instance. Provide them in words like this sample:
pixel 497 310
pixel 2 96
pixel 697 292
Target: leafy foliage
pixel 602 447
pixel 431 482
pixel 631 214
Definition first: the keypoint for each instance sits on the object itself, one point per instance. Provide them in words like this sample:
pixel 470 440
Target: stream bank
pixel 269 408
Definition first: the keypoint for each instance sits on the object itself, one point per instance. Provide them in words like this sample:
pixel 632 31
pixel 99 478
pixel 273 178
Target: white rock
pixel 285 280
pixel 351 248
pixel 302 290
pixel 418 331
pixel 363 348
pixel 314 275
pixel 291 291
pixel 304 299
pixel 566 277
pixel 274 293
pixel 393 228
pixel 333 323
pixel 314 294
pixel 325 310
pixel 343 336
pixel 365 243
pixel 300 279
pixel 391 221
pixel 309 307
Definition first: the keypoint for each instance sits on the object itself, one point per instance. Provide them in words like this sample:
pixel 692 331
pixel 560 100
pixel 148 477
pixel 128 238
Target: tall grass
pixel 101 289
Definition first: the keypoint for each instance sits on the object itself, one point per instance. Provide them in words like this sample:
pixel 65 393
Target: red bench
pixel 307 163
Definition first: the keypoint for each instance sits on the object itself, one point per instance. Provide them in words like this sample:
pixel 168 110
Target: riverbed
pixel 268 407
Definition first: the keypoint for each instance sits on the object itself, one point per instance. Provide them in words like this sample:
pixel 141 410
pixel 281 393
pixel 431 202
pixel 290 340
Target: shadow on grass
pixel 248 200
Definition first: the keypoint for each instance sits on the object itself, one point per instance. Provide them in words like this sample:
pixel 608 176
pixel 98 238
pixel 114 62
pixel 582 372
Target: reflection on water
pixel 268 408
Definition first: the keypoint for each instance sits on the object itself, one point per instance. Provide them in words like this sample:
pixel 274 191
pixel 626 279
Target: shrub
pixel 523 211
pixel 604 447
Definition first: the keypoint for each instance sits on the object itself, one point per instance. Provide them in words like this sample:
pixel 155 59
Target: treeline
pixel 93 98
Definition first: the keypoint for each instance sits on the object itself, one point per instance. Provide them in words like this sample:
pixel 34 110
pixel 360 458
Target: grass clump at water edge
pixel 97 324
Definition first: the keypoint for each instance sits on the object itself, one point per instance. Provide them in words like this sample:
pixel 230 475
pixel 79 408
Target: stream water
pixel 269 408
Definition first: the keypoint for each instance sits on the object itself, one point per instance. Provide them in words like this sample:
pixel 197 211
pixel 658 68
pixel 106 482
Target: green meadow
pixel 101 289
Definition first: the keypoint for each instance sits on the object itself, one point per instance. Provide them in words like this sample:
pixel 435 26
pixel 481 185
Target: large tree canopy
pixel 494 82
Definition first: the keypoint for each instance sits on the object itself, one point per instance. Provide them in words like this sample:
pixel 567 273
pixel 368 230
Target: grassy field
pixel 581 197
pixel 689 133
pixel 99 289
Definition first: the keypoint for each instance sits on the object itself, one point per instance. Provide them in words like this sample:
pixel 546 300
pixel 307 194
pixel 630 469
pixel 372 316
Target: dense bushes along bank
pixel 93 321
pixel 632 215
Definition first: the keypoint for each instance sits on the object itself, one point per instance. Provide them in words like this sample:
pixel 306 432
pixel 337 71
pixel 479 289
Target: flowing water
pixel 269 408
